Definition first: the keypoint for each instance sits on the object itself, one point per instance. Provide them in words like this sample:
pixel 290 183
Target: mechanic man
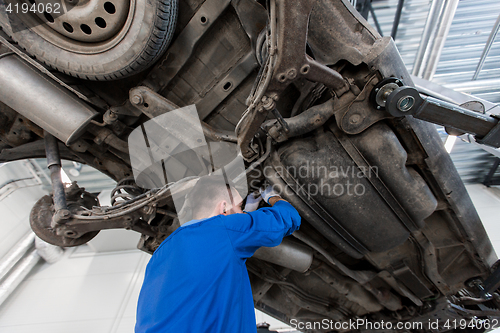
pixel 197 281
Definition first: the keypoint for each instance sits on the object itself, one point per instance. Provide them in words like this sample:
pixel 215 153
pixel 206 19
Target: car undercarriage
pixel 319 105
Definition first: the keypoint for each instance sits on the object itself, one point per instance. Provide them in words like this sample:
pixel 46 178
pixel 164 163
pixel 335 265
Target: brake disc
pixel 43 210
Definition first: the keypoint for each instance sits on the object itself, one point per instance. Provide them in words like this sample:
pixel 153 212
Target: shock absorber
pixel 58 195
pixel 126 189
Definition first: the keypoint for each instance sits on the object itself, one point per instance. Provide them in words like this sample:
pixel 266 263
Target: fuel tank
pixel 355 189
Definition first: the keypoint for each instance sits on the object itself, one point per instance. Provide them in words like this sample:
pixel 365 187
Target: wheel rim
pixel 89 21
pixel 87 26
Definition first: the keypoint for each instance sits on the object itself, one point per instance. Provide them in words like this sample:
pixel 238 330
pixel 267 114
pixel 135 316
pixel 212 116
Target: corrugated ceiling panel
pixel 472 24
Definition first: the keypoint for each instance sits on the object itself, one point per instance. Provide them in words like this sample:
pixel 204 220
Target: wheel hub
pixel 43 210
pixel 88 21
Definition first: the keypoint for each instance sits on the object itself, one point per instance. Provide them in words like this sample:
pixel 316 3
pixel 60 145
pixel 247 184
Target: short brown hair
pixel 208 191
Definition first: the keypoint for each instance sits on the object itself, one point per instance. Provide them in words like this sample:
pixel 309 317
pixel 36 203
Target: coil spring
pixel 125 190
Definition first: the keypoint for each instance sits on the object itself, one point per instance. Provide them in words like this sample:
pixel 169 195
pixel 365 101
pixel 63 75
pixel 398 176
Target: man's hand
pixel 252 203
pixel 270 195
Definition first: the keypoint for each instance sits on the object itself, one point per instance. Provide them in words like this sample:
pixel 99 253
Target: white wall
pixel 83 293
pixel 487 203
pixel 16 200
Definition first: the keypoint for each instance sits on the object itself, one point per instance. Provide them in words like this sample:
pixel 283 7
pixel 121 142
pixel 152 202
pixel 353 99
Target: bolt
pixel 291 74
pixel 268 103
pixel 377 89
pixel 65 213
pixel 137 99
pixel 98 140
pixel 110 117
pixel 61 215
pixel 378 107
pixel 355 118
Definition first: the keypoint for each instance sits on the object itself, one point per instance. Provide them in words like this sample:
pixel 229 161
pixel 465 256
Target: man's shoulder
pixel 188 229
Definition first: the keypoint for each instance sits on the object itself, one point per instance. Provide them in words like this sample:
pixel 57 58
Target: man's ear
pixel 222 208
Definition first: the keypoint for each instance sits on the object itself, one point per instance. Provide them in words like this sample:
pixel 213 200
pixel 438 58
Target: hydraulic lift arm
pixel 404 101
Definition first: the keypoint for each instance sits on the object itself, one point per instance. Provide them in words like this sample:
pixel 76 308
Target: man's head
pixel 211 196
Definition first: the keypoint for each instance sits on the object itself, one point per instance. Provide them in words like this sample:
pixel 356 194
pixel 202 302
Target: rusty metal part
pixel 76 228
pixel 292 61
pixel 180 51
pixel 103 134
pixel 362 277
pixel 401 289
pixel 43 211
pixel 305 122
pixel 385 297
pixel 58 195
pixel 429 257
pixel 255 164
pixel 360 114
pixel 285 66
pixel 253 18
pixel 250 126
pixel 154 105
pixel 346 286
pixel 86 218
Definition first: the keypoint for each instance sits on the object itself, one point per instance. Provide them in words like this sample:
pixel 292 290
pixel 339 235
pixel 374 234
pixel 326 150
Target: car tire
pixel 146 33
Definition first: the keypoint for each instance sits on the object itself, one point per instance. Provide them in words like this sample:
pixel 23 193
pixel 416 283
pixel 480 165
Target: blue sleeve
pixel 263 227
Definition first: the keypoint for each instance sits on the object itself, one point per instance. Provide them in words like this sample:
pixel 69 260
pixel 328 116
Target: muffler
pixel 288 254
pixel 42 100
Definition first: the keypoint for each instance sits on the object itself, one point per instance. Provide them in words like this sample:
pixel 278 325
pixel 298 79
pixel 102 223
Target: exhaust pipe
pixel 288 254
pixel 42 100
